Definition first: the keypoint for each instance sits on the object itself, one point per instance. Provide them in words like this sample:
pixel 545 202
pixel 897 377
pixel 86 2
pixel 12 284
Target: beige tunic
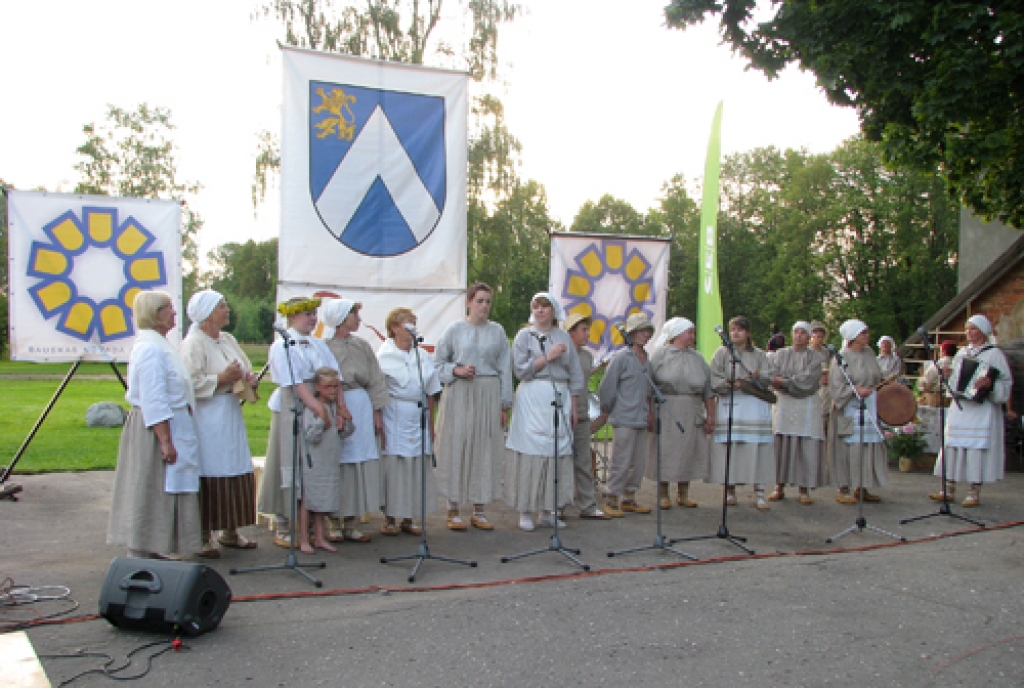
pixel 684 377
pixel 855 464
pixel 799 436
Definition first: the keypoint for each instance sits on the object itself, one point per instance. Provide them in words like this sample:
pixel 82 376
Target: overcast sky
pixel 602 96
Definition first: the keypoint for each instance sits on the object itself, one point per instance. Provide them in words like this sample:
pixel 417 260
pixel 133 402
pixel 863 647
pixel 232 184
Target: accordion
pixel 972 370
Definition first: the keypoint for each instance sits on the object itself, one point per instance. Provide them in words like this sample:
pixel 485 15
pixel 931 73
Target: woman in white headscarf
pixel 366 395
pixel 542 353
pixel 799 435
pixel 155 510
pixel 215 363
pixel 684 377
pixel 974 430
pixel 888 360
pixel 856 459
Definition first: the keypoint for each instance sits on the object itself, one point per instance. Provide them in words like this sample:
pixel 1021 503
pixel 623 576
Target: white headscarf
pixel 802 325
pixel 885 338
pixel 559 311
pixel 982 323
pixel 332 313
pixel 672 328
pixel 200 306
pixel 851 328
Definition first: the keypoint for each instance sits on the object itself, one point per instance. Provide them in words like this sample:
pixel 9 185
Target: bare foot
pixel 306 548
pixel 326 546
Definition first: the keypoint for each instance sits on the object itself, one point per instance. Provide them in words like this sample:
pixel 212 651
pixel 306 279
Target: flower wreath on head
pixel 298 305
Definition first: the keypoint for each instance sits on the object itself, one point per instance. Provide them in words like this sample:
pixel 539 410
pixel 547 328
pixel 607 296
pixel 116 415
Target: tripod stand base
pixel 861 524
pixel 422 554
pixel 722 534
pixel 660 543
pixel 554 546
pixel 944 510
pixel 291 563
pixel 10 491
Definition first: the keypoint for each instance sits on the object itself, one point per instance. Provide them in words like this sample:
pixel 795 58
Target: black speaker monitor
pixel 157 595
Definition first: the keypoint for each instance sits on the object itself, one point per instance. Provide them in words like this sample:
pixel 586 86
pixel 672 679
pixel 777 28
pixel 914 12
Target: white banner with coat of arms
pixel 373 175
pixel 607 278
pixel 75 264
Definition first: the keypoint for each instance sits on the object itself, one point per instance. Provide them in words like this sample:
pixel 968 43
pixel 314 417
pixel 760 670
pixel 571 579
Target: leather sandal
pixel 410 528
pixel 479 520
pixel 776 496
pixel 454 522
pixel 353 535
pixel 631 506
pixel 238 543
pixel 389 528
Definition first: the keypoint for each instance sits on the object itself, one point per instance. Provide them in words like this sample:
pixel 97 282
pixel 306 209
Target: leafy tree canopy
pixel 939 82
pixel 133 154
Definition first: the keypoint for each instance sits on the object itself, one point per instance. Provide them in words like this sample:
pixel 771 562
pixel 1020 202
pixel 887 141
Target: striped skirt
pixel 227 503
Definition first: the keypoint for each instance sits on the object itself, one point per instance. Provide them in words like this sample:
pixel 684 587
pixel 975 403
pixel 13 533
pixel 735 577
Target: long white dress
pixel 975 446
pixel 855 460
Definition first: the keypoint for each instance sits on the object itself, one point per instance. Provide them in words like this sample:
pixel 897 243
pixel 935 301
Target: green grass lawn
pixel 64 443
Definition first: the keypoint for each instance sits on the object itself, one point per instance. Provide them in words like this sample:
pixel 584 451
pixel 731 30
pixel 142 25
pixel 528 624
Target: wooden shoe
pixel 970 500
pixel 806 499
pixel 631 506
pixel 613 510
pixel 846 498
pixel 353 535
pixel 479 520
pixel 665 503
pixel 454 522
pixel 389 528
pixel 868 497
pixel 411 528
pixel 686 502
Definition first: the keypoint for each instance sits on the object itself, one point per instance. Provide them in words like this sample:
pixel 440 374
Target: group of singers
pixel 788 418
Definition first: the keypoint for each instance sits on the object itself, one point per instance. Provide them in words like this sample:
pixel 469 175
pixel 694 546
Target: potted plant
pixel 905 442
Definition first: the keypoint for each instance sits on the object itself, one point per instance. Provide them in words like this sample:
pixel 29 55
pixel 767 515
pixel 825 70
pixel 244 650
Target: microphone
pixel 411 329
pixel 839 357
pixel 924 338
pixel 284 334
pixel 721 333
pixel 625 335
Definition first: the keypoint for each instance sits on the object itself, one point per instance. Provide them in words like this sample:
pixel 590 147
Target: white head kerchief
pixel 332 313
pixel 200 306
pixel 559 311
pixel 982 323
pixel 672 328
pixel 851 328
pixel 802 325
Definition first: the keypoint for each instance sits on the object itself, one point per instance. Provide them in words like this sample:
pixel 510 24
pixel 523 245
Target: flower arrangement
pixel 905 440
pixel 297 305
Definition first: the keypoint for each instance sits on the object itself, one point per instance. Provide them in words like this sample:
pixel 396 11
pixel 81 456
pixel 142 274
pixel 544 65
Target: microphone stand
pixel 660 542
pixel 723 529
pixel 860 523
pixel 555 544
pixel 944 509
pixel 423 550
pixel 291 561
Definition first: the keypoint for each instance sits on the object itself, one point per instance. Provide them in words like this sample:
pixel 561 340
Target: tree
pixel 939 83
pixel 247 270
pixel 132 154
pixel 611 215
pixel 679 214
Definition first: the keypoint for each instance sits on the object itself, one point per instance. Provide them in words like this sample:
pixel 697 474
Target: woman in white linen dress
pixel 403 468
pixel 155 507
pixel 365 395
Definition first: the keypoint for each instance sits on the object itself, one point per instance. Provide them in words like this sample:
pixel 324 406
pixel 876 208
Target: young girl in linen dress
pixel 321 480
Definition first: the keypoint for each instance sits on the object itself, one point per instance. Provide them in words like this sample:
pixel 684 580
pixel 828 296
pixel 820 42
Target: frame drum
pixel 896 404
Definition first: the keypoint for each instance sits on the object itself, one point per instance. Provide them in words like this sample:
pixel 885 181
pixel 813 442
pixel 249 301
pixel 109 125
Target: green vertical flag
pixel 709 300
